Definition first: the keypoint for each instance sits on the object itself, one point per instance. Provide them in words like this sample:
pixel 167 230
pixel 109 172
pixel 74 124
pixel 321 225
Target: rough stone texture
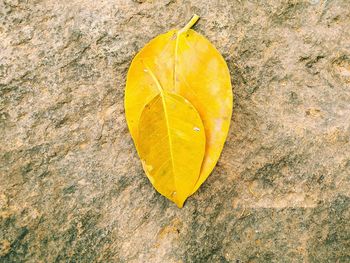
pixel 72 187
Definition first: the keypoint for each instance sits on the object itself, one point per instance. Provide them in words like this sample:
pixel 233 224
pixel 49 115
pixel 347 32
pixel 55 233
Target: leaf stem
pixel 190 24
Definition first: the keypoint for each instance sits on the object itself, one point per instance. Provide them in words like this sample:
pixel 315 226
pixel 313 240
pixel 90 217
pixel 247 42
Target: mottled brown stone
pixel 71 185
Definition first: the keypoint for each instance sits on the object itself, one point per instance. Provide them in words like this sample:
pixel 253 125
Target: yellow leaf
pixel 171 145
pixel 203 78
pixel 185 63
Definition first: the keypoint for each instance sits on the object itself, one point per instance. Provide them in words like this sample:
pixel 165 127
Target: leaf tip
pixel 178 200
pixel 180 204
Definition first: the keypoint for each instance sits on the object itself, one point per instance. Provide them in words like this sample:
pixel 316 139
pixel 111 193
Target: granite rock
pixel 72 188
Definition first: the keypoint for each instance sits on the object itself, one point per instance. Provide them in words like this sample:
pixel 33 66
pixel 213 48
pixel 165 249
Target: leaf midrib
pixel 162 94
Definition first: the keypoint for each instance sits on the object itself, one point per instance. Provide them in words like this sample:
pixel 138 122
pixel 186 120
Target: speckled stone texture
pixel 71 185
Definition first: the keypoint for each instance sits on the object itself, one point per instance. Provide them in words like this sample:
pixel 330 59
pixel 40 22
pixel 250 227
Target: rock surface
pixel 71 185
